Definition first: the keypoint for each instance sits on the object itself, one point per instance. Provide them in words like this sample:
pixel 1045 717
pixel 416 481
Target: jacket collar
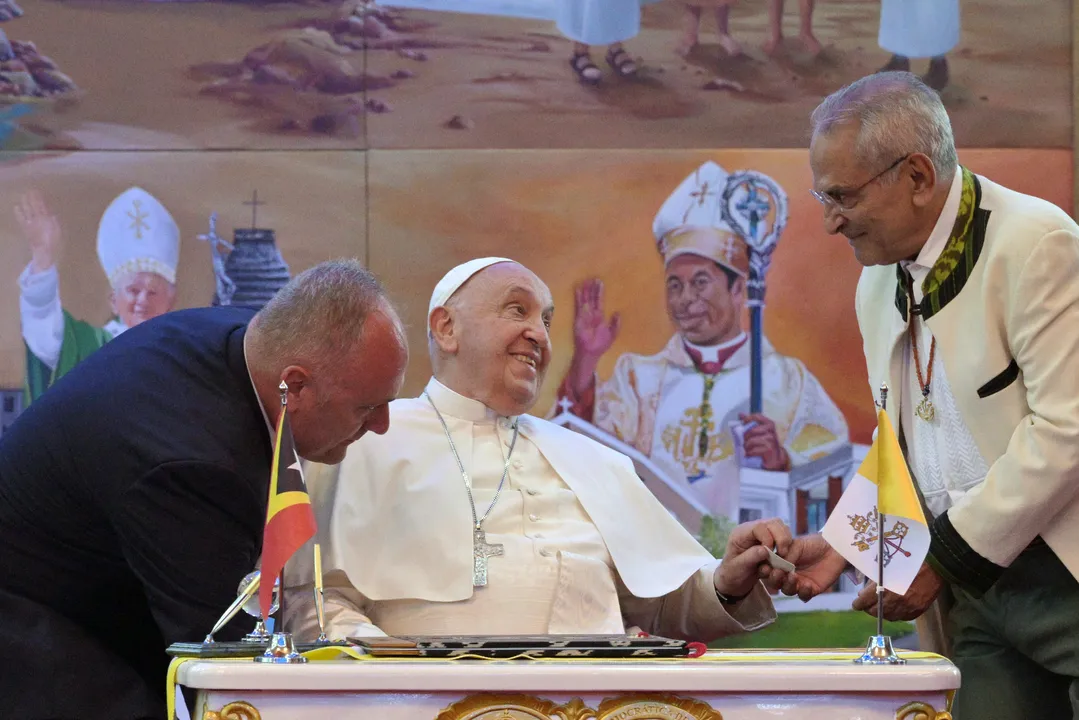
pixel 956 262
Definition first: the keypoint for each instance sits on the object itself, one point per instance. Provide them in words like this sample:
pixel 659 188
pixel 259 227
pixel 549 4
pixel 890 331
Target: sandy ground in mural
pixel 314 201
pixel 291 75
pixel 154 75
pixel 574 215
pixel 508 82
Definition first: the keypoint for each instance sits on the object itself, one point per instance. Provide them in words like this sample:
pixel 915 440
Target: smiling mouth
pixel 527 360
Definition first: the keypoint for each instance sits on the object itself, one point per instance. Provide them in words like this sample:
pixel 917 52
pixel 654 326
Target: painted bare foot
pixel 937 77
pixel 686 44
pixel 896 63
pixel 771 45
pixel 731 46
pixel 810 43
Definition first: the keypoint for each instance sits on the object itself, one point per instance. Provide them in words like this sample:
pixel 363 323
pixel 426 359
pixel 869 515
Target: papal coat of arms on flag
pixel 882 484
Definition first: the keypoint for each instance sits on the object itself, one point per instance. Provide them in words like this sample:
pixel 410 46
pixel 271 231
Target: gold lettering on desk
pixel 655 706
pixel 637 706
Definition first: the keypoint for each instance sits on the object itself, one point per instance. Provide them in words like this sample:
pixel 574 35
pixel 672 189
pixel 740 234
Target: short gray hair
pixel 897 114
pixel 319 315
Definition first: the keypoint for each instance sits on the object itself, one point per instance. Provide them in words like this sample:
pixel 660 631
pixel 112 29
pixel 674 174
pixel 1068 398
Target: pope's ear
pixel 443 329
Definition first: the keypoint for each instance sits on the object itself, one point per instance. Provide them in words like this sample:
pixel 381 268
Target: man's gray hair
pixel 897 114
pixel 319 315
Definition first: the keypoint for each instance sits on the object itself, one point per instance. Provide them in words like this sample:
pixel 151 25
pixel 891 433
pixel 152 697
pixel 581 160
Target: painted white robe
pixel 919 28
pixel 653 403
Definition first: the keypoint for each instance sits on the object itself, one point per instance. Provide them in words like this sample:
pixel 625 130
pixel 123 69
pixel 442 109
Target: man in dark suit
pixel 133 493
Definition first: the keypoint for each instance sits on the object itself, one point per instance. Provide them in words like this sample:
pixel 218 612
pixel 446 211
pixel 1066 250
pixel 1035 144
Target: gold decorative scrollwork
pixel 234 711
pixel 575 709
pixel 638 706
pixel 921 711
pixel 655 706
pixel 491 706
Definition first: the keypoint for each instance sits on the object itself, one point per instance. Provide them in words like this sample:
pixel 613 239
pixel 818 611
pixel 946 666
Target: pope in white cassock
pixel 471 517
pixel 676 406
pixel 138 244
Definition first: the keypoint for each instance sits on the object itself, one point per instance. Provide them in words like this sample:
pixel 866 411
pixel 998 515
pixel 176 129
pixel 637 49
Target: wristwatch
pixel 731 599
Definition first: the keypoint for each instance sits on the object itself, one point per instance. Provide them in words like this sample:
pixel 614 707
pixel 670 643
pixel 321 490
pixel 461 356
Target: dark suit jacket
pixel 132 501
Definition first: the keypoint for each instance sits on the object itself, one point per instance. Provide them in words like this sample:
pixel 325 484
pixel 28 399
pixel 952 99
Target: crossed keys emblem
pixel 865 529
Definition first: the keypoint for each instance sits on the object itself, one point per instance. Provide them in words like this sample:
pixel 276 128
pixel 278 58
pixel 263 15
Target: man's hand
pixel 745 560
pixel 41 229
pixel 763 441
pixel 919 596
pixel 817 567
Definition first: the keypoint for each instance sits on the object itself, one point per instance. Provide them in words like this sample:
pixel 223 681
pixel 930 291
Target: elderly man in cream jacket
pixel 969 312
pixel 471 517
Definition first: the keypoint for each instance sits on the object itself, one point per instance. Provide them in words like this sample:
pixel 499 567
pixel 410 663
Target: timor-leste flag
pixel 290 520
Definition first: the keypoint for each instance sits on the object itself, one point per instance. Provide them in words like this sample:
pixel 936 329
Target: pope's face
pixel 702 302
pixel 141 296
pixel 504 314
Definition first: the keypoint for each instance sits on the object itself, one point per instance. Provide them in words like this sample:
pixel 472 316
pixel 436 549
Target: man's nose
pixel 834 220
pixel 379 422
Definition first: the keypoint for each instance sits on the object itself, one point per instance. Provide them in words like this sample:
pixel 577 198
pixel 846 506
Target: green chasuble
pixel 80 339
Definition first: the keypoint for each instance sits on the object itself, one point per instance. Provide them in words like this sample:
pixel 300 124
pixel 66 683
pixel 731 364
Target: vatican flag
pixel 881 483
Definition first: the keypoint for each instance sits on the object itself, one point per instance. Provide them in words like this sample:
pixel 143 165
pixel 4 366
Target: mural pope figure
pixel 677 406
pixel 138 245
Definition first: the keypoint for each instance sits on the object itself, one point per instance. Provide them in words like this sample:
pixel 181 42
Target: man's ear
pixel 738 290
pixel 924 178
pixel 443 329
pixel 301 390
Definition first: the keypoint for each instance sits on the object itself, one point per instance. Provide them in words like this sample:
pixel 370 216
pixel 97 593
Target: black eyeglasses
pixel 847 199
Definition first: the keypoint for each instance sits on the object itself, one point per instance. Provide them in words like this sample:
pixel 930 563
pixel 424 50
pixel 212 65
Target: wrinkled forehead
pixel 833 157
pixel 142 279
pixel 504 280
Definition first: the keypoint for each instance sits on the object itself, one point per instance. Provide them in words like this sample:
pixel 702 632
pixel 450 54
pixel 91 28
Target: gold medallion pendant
pixel 925 410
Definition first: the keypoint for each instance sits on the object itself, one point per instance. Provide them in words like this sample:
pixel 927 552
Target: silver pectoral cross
pixel 481 550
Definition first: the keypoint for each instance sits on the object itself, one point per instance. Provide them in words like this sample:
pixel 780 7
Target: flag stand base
pixel 879 651
pixel 281 650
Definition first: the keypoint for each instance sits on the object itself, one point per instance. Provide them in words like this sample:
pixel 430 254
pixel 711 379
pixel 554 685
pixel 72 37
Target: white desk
pixel 730 685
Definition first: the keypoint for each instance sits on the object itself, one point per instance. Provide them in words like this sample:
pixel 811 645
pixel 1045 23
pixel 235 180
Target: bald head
pixel 891 114
pixel 489 340
pixel 332 336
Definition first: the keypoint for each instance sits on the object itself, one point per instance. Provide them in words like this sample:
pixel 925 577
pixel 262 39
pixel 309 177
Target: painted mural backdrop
pixel 334 74
pixel 645 157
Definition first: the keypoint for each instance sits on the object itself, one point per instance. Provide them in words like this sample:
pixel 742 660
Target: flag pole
pixel 880 537
pixel 879 650
pixel 320 610
pixel 281 648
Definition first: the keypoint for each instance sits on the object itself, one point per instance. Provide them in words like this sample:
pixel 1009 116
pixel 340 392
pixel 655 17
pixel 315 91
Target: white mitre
pixel 691 222
pixel 137 234
pixel 452 281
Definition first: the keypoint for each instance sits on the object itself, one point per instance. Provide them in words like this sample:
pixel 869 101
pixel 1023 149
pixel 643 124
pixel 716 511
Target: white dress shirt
pixel 942 454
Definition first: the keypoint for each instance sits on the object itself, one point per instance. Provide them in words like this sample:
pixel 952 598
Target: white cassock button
pixel 545 552
pixel 538 536
pixel 530 491
pixel 517 464
pixel 533 517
